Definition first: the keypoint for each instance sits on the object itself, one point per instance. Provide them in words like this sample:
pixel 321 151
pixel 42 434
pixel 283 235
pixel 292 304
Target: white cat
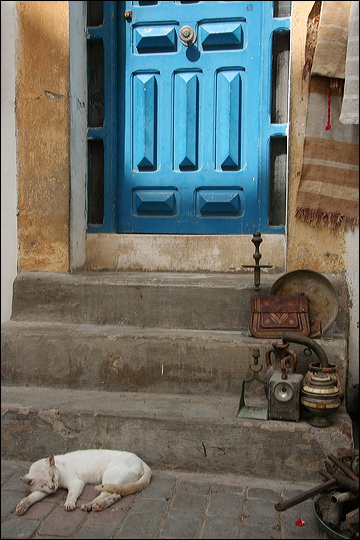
pixel 120 474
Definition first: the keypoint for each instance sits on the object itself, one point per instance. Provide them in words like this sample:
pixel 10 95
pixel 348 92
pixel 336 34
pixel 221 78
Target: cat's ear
pixel 50 461
pixel 27 479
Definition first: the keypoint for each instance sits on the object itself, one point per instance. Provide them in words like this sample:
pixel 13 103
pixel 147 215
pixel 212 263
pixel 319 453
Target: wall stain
pixel 53 95
pixel 52 417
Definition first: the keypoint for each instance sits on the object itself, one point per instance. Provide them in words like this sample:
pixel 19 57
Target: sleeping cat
pixel 120 474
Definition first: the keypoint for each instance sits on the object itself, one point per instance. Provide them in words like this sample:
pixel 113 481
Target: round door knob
pixel 187 35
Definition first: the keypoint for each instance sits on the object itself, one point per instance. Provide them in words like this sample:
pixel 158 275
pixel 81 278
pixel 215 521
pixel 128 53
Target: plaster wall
pixel 8 166
pixel 319 248
pixel 42 106
pixel 182 253
pixel 78 128
pixel 352 279
pixel 315 248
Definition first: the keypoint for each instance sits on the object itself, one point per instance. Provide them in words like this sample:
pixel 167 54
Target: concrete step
pixel 131 359
pixel 152 363
pixel 142 299
pixel 149 299
pixel 199 433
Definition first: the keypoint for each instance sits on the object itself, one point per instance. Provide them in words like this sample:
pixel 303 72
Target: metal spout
pixel 292 337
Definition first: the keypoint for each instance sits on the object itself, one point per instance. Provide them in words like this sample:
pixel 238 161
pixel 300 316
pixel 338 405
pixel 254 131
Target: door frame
pixel 126 251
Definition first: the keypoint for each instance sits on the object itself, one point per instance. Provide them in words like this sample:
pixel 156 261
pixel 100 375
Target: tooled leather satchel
pixel 271 315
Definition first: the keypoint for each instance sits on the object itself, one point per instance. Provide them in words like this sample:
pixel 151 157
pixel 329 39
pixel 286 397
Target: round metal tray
pixel 321 504
pixel 323 300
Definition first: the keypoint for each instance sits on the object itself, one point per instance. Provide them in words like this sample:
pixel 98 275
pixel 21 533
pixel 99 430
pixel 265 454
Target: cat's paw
pixel 22 507
pixel 86 507
pixel 69 506
pixel 98 507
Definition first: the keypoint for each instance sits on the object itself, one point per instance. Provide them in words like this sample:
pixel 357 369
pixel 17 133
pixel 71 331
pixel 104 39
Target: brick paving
pixel 174 506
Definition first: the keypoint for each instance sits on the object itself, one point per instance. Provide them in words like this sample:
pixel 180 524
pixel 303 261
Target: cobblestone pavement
pixel 174 505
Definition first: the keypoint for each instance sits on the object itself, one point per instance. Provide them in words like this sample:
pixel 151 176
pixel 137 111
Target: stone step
pixel 142 299
pixel 152 363
pixel 170 431
pixel 149 299
pixel 131 359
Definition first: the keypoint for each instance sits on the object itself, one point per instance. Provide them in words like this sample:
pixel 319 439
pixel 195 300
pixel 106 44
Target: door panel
pixel 186 120
pixel 191 154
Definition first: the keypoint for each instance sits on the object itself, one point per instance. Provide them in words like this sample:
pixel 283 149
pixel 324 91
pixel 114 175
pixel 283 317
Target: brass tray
pixel 323 300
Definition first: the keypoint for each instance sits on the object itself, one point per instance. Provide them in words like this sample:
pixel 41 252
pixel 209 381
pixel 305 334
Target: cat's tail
pixel 128 489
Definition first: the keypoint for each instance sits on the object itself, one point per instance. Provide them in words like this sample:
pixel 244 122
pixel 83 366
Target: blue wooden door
pixel 195 95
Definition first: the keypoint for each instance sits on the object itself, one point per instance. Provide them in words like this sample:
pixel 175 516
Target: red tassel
pixel 328 126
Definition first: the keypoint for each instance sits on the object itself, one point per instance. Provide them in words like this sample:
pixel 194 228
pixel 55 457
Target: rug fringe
pixel 318 218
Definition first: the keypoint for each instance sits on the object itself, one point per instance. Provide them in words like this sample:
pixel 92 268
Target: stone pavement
pixel 174 505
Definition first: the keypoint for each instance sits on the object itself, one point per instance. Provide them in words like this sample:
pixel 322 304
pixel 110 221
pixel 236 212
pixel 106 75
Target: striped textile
pixel 330 52
pixel 329 183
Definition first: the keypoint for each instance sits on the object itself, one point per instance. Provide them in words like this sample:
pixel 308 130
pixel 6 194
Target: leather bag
pixel 271 315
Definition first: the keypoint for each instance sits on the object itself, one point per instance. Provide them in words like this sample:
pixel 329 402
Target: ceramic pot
pixel 320 397
pixel 331 370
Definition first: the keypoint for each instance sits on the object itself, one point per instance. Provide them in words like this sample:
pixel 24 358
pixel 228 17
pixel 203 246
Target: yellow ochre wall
pixel 43 133
pixel 315 248
pixel 42 111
